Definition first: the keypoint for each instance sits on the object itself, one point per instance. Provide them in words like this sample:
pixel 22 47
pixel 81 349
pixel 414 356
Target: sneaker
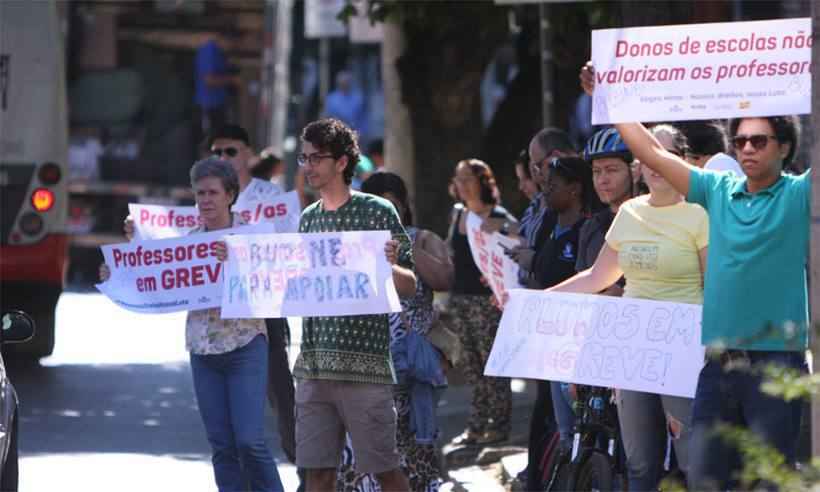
pixel 466 438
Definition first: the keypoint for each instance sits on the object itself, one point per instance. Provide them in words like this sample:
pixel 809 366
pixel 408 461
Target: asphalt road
pixel 114 408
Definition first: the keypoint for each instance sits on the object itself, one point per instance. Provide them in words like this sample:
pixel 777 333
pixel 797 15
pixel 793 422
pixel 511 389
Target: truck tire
pixel 40 302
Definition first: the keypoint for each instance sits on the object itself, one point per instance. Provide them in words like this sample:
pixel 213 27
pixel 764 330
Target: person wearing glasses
pixel 344 371
pixel 658 243
pixel 755 309
pixel 474 318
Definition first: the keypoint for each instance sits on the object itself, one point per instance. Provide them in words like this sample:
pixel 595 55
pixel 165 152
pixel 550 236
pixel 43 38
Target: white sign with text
pixel 313 274
pixel 702 71
pixel 162 222
pixel 626 343
pixel 500 271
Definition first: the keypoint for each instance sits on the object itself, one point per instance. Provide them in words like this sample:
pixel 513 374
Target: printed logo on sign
pixel 744 104
pixel 204 299
pixel 676 109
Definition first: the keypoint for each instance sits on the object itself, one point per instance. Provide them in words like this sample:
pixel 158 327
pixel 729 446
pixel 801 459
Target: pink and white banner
pixel 500 271
pixel 702 71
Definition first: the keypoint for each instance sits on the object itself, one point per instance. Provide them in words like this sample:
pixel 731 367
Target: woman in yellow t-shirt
pixel 658 242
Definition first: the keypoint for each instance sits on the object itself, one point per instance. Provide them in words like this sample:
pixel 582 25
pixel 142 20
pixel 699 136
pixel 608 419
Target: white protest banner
pixel 499 269
pixel 316 274
pixel 702 71
pixel 167 275
pixel 161 222
pixel 633 344
pixel 281 210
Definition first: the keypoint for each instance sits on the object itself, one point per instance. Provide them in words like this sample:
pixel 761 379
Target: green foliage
pixel 789 384
pixel 762 463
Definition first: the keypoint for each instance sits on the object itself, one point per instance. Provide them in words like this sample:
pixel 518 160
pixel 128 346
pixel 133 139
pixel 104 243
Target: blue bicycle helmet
pixel 607 143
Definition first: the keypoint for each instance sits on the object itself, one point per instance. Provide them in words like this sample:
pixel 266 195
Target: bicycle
pixel 596 461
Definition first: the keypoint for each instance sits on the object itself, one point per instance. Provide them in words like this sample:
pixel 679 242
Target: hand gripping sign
pixel 500 271
pixel 313 274
pixel 702 71
pixel 633 344
pixel 161 222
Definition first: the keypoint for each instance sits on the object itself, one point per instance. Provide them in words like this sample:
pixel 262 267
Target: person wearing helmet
pixel 615 182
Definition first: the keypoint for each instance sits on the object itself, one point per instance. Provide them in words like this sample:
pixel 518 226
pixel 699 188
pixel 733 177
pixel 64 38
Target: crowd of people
pixel 669 212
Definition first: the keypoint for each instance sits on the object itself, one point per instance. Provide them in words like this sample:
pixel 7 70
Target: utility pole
pixel 814 238
pixel 545 44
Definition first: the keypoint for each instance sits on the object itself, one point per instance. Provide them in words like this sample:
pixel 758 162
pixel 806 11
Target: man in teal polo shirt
pixel 755 306
pixel 755 300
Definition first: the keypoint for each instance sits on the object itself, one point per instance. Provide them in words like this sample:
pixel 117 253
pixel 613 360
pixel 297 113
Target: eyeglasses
pixel 228 151
pixel 312 159
pixel 759 141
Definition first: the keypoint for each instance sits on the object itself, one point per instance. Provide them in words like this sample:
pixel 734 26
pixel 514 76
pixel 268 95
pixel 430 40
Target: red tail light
pixel 42 200
pixel 50 173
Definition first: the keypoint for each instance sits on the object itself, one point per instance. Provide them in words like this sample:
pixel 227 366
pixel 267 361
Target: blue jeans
pixel 564 415
pixel 734 397
pixel 642 417
pixel 230 391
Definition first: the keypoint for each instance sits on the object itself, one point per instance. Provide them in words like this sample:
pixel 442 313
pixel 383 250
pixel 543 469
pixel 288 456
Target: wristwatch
pixel 505 228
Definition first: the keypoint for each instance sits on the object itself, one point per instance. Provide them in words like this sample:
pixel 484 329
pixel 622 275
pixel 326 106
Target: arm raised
pixel 646 148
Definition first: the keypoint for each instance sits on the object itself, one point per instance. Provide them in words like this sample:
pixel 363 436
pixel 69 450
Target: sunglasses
pixel 227 151
pixel 758 141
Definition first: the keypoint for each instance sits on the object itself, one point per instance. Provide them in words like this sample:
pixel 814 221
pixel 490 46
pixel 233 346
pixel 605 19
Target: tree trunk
pixel 815 223
pixel 441 72
pixel 398 134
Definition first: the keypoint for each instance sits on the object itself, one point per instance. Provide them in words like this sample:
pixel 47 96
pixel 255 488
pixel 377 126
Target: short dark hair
pixel 229 132
pixel 486 179
pixel 334 136
pixel 786 130
pixel 705 137
pixel 384 182
pixel 551 139
pixel 263 169
pixel 214 167
pixel 523 160
pixel 577 170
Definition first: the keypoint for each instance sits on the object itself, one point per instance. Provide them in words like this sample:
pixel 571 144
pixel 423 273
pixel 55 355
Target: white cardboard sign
pixel 615 342
pixel 162 222
pixel 167 275
pixel 499 269
pixel 312 274
pixel 702 71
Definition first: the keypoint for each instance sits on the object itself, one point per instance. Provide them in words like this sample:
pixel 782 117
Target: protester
pixel 344 370
pixel 268 166
pixel 418 363
pixel 755 310
pixel 474 318
pixel 569 195
pixel 231 144
pixel 658 242
pixel 708 146
pixel 376 153
pixel 229 357
pixel 548 143
pixel 526 185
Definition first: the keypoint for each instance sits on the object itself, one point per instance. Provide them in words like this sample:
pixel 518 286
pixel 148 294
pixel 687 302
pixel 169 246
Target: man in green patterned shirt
pixel 344 371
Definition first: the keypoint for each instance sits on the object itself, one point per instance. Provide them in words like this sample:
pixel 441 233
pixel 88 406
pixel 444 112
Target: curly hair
pixel 489 190
pixel 334 136
pixel 386 182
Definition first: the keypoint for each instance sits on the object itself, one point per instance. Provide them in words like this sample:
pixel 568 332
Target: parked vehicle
pixel 33 164
pixel 17 327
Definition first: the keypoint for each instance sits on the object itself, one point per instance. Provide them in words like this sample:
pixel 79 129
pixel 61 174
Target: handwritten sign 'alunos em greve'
pixel 626 343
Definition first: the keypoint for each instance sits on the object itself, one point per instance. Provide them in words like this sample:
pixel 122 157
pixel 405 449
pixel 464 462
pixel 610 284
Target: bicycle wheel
pixel 595 474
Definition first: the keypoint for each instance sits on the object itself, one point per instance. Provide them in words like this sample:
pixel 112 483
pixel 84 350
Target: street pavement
pixel 114 408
